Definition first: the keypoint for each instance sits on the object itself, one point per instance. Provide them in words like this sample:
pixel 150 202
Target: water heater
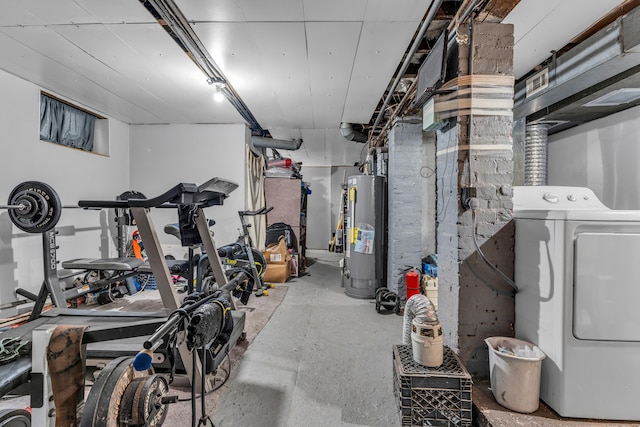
pixel 365 234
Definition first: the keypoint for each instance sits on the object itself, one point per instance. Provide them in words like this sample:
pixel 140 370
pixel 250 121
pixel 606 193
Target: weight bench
pixel 123 326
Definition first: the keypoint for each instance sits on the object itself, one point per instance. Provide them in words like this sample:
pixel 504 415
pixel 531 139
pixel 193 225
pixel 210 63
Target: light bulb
pixel 218 96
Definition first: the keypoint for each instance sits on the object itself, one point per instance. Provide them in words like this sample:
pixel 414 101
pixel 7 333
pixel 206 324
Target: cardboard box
pixel 278 272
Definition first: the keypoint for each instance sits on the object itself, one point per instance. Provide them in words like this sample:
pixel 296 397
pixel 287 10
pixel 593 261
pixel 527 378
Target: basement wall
pixel 602 155
pixel 165 155
pixel 73 174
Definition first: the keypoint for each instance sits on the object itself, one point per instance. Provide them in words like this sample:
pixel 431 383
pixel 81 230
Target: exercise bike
pixel 236 257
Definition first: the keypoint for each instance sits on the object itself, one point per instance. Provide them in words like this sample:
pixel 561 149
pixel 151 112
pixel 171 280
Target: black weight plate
pixel 125 417
pixel 102 406
pixel 43 207
pixel 15 418
pixel 150 412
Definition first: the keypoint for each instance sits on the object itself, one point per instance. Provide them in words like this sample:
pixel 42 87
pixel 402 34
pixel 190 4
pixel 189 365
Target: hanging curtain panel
pixel 65 125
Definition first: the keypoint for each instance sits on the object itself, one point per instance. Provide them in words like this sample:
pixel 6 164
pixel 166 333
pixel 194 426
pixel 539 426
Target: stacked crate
pixel 431 396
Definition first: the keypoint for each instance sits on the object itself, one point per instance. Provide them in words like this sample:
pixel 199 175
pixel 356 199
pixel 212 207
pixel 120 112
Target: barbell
pixel 34 207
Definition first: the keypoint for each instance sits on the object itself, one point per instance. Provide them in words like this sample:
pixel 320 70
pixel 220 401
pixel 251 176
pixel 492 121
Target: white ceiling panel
pixel 332 47
pixel 272 11
pixel 50 12
pixel 59 79
pixel 212 11
pixel 382 46
pixel 117 11
pixel 334 10
pixel 545 25
pixel 397 10
pixel 282 67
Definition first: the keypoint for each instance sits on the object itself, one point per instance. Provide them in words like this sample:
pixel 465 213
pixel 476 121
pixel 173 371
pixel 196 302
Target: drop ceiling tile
pixel 272 11
pixel 117 11
pixel 67 82
pixel 334 10
pixel 331 49
pixel 211 11
pixel 544 25
pixel 397 10
pixel 51 12
pixel 381 48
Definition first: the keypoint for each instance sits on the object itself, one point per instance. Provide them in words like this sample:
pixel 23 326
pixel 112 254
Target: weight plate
pixel 42 207
pixel 15 418
pixel 102 406
pixel 148 409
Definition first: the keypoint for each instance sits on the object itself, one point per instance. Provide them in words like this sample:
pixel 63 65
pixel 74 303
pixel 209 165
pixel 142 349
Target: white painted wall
pixel 165 155
pixel 318 206
pixel 602 155
pixel 74 175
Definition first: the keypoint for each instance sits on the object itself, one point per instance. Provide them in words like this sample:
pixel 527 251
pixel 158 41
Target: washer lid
pixel 564 203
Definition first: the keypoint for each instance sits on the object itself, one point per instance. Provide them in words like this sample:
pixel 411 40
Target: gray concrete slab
pixel 324 359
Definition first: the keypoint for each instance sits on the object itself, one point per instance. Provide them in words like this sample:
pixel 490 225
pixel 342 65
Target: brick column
pixel 474 155
pixel 405 200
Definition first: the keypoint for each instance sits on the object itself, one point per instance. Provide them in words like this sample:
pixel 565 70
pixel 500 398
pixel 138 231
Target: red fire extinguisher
pixel 412 280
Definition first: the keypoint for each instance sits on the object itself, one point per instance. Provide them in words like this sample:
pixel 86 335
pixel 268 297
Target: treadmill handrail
pixel 181 194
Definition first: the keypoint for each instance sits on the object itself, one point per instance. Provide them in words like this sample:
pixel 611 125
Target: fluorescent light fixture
pixel 617 97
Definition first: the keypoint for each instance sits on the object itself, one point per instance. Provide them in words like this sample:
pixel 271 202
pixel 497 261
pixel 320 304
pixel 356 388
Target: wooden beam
pixel 496 10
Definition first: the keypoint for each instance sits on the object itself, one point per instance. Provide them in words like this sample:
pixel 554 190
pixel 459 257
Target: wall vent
pixel 537 82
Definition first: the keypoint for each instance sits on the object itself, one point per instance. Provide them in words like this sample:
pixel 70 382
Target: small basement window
pixel 66 124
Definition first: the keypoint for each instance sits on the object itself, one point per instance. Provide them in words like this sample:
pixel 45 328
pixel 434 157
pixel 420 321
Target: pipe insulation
pixel 420 308
pixel 278 144
pixel 536 154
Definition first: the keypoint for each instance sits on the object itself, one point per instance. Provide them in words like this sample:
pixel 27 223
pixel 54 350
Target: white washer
pixel 577 266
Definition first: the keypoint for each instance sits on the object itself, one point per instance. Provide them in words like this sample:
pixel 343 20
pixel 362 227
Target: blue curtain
pixel 65 125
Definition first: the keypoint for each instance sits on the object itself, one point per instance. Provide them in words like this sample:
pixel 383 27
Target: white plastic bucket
pixel 515 380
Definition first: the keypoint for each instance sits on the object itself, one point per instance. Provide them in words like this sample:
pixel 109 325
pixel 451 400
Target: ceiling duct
pixel 352 135
pixel 278 144
pixel 605 62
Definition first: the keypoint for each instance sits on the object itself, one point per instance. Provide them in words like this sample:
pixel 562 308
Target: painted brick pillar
pixel 474 154
pixel 404 246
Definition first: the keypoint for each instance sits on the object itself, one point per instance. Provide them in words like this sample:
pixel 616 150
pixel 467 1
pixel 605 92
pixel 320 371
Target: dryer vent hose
pixel 421 308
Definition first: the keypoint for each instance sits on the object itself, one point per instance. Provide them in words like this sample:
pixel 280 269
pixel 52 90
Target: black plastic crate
pixel 431 396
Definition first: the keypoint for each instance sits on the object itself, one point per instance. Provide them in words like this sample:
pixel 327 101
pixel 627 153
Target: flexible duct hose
pixel 535 154
pixel 420 308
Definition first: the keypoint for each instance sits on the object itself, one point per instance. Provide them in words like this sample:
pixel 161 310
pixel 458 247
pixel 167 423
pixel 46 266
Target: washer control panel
pixel 554 198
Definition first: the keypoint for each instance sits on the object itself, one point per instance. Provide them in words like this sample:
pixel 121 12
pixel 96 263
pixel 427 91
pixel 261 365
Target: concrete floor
pixel 324 359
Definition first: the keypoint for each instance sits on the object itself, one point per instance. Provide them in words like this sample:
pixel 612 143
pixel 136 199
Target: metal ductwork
pixel 605 62
pixel 352 135
pixel 278 144
pixel 536 154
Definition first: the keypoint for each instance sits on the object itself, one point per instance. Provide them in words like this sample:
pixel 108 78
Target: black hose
pixel 484 258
